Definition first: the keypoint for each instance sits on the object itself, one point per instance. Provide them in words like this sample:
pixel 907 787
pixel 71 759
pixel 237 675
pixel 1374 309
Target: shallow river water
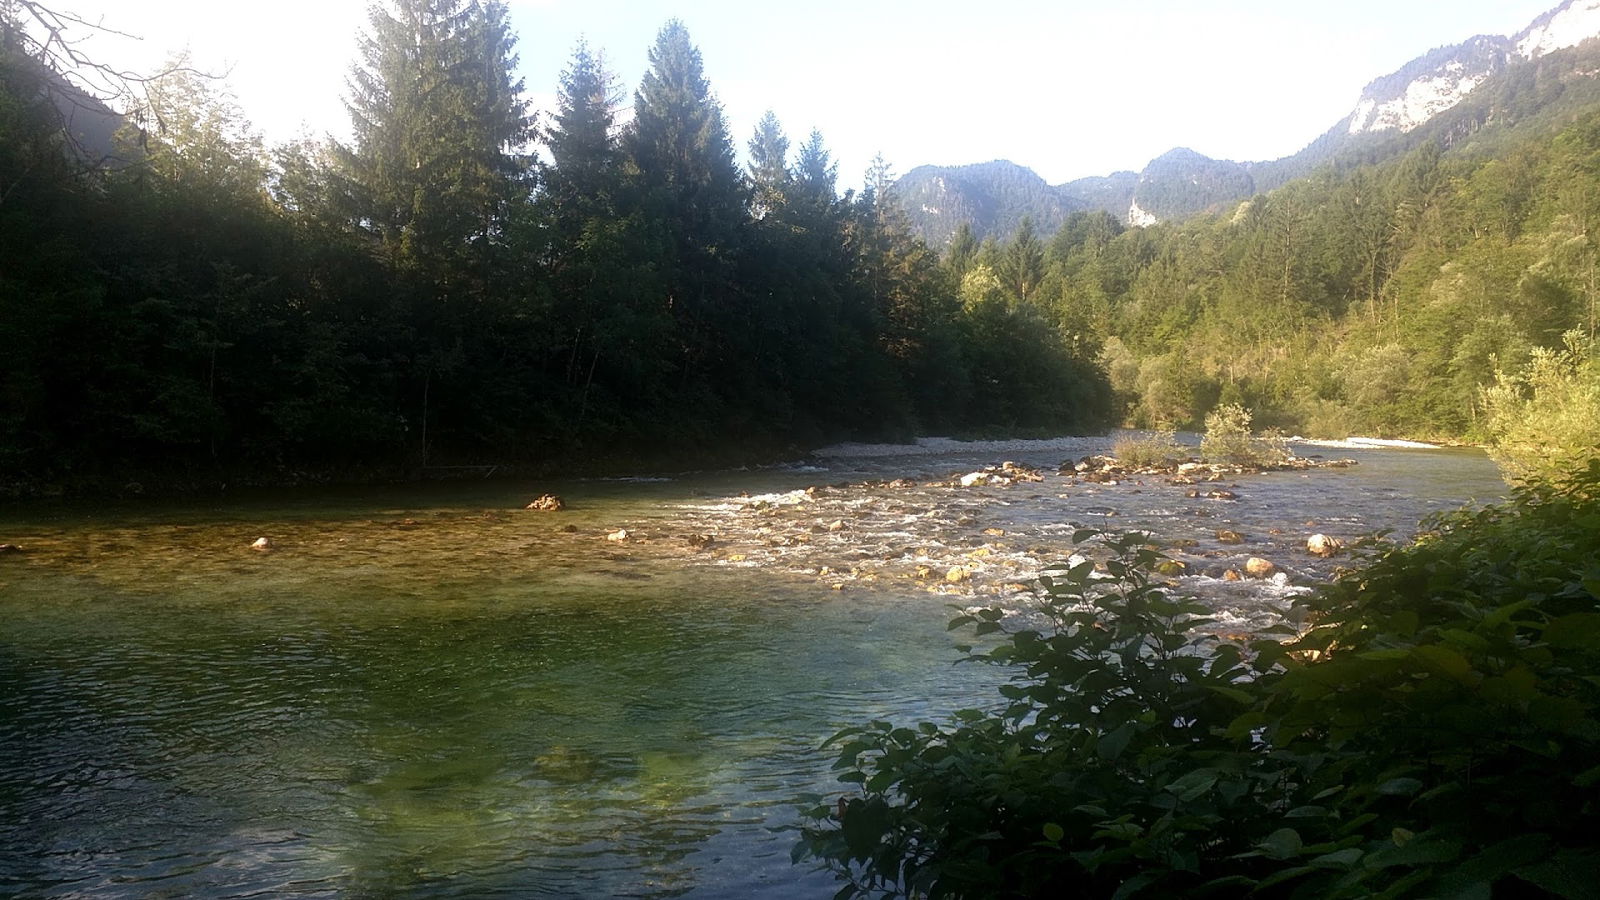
pixel 430 692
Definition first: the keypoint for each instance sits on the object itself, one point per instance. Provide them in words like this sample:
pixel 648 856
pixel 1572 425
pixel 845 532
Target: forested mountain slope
pixel 1443 94
pixel 1375 299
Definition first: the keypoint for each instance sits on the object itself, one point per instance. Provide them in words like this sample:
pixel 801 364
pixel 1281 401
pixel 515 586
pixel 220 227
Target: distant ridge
pixel 1550 64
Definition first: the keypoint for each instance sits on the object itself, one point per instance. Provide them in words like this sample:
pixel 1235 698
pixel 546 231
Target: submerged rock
pixel 10 548
pixel 1225 536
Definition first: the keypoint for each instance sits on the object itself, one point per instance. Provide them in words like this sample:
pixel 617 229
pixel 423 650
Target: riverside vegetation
pixel 188 304
pixel 1433 733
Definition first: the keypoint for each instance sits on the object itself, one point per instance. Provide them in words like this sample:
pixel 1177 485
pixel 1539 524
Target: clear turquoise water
pixel 429 692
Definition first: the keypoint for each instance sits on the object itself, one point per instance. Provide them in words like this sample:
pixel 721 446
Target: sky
pixel 1065 87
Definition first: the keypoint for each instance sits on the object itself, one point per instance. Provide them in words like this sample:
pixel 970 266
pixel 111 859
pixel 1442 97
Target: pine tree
pixel 609 338
pixel 769 165
pixel 815 169
pixel 439 126
pixel 692 192
pixel 583 175
pixel 963 248
pixel 1023 264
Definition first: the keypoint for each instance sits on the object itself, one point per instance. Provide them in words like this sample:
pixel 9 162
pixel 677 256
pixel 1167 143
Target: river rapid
pixel 431 692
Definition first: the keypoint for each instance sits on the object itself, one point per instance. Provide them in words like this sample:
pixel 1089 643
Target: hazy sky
pixel 1067 88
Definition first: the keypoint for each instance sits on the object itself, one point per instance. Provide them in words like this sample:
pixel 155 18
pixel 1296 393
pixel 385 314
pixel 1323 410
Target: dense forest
pixel 464 284
pixel 1419 297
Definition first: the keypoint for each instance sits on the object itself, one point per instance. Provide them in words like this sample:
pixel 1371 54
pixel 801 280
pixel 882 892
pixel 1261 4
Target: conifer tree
pixel 1023 264
pixel 815 168
pixel 439 126
pixel 692 192
pixel 583 175
pixel 963 248
pixel 769 165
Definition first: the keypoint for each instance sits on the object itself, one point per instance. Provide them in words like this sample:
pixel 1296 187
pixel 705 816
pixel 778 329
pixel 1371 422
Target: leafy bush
pixel 1228 439
pixel 1433 734
pixel 1545 419
pixel 1155 449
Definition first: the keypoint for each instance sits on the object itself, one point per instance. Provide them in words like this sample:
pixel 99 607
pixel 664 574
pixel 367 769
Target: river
pixel 431 692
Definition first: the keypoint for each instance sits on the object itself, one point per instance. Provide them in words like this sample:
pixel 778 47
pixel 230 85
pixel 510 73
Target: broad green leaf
pixel 1282 844
pixel 1232 693
pixel 1445 660
pixel 1573 874
pixel 1577 631
pixel 1111 745
pixel 1400 787
pixel 1192 784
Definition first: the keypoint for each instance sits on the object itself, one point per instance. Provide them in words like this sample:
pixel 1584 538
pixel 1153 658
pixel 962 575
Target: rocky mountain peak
pixel 1568 25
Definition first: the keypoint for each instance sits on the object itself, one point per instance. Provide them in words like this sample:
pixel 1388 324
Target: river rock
pixel 1323 546
pixel 1226 536
pixel 547 503
pixel 1232 575
pixel 1171 568
pixel 701 541
pixel 620 535
pixel 10 548
pixel 1256 567
pixel 974 479
pixel 261 543
pixel 958 574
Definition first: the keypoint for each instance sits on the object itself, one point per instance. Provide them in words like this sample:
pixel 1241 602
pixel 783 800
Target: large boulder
pixel 1323 546
pixel 1256 567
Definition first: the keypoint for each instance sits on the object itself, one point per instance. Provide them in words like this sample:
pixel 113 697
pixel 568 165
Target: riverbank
pixel 134 484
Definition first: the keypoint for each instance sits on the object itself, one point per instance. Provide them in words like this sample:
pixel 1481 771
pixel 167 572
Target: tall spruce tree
pixel 439 127
pixel 769 166
pixel 611 339
pixel 582 177
pixel 693 194
pixel 1023 264
pixel 815 169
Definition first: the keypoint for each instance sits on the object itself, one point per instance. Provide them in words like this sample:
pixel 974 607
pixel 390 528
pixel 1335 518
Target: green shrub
pixel 1545 419
pixel 1433 734
pixel 1228 439
pixel 1154 449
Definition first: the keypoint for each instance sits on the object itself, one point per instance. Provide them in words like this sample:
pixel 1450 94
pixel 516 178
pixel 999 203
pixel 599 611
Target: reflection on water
pixel 431 692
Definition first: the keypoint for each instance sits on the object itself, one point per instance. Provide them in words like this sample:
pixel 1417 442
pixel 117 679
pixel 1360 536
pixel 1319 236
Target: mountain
pixel 993 197
pixel 1181 182
pixel 1510 78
